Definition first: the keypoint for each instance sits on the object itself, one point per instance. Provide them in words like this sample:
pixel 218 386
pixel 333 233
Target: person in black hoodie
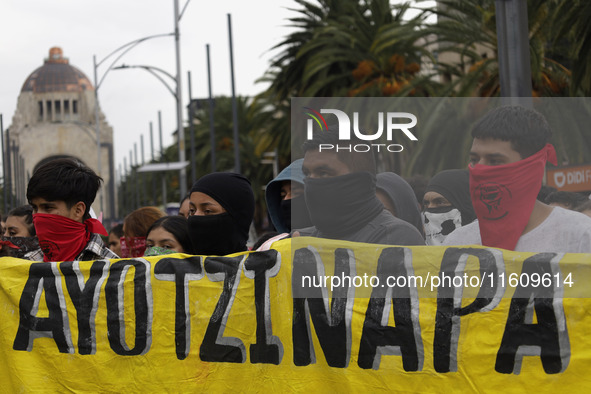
pixel 221 209
pixel 340 190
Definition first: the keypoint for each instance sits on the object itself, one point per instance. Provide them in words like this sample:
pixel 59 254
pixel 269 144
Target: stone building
pixel 55 117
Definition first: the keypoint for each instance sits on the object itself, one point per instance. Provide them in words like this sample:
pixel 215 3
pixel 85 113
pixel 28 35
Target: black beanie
pixel 233 192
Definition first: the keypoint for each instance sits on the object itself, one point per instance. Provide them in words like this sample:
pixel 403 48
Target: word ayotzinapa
pixel 332 318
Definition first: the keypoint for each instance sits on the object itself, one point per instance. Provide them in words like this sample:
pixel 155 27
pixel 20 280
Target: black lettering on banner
pixel 333 331
pixel 215 347
pixel 377 338
pixel 143 306
pixel 261 266
pixel 180 271
pixel 449 300
pixel 547 339
pixel 85 297
pixel 43 277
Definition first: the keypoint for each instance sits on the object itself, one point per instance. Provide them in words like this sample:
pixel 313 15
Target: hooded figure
pixel 400 197
pixel 280 208
pixel 447 205
pixel 222 209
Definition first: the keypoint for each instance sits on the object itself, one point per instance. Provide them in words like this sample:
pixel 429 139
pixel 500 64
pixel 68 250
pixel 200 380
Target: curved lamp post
pixel 122 50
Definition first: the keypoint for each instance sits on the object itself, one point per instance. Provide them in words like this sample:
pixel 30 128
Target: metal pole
pixel 4 190
pixel 192 132
pixel 179 103
pixel 98 129
pixel 122 191
pixel 513 51
pixel 160 131
pixel 152 141
pixel 142 175
pixel 154 202
pixel 125 187
pixel 234 105
pixel 211 118
pixel 17 175
pixel 8 170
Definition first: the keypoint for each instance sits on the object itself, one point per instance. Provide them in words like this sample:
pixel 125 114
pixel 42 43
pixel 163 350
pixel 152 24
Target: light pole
pixel 158 72
pixel 121 51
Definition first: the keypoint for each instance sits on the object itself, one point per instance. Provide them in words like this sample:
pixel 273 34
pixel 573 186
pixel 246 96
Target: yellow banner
pixel 308 315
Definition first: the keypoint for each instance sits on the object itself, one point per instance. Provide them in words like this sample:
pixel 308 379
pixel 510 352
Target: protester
pixel 285 194
pixel 340 190
pixel 114 240
pixel 446 205
pixel 20 231
pixel 19 222
pixel 61 192
pixel 169 234
pixel 184 207
pixel 135 230
pixel 507 163
pixel 222 209
pixel 399 198
pixel 566 200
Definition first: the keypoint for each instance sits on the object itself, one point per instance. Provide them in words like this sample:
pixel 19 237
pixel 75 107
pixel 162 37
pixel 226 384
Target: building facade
pixel 55 117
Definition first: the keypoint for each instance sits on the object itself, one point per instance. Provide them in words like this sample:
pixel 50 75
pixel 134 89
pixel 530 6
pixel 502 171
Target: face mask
pixel 504 196
pixel 215 235
pixel 439 223
pixel 7 248
pixel 295 213
pixel 343 204
pixel 157 251
pixel 23 245
pixel 60 238
pixel 132 246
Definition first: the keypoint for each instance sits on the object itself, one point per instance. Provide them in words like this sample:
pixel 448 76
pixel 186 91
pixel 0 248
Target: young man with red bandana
pixel 61 192
pixel 507 161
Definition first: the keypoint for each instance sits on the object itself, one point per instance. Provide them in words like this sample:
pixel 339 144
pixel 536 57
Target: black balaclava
pixel 225 233
pixel 343 204
pixel 454 185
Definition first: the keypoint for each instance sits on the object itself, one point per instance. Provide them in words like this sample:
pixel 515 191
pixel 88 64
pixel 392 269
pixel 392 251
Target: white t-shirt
pixel 563 231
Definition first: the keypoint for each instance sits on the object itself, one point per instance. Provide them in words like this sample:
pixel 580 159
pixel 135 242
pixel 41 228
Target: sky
pixel 131 99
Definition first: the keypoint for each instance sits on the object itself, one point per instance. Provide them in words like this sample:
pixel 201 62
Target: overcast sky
pixel 131 99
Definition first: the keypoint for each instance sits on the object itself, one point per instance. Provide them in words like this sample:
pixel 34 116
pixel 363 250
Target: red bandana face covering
pixel 62 238
pixel 504 196
pixel 132 246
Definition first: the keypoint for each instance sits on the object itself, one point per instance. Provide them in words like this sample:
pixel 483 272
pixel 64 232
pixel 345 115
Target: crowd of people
pixel 498 201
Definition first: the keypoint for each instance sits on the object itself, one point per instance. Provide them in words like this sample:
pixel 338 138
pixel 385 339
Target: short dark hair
pixel 526 129
pixel 569 199
pixel 25 212
pixel 355 161
pixel 65 180
pixel 177 226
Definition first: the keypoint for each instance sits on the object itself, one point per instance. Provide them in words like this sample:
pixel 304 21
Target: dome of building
pixel 56 75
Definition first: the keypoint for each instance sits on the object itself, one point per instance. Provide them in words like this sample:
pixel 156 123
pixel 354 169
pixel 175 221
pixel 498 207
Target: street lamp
pixel 158 72
pixel 122 50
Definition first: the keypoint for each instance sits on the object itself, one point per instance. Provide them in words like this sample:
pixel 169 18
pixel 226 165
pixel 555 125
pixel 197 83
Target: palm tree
pixel 343 48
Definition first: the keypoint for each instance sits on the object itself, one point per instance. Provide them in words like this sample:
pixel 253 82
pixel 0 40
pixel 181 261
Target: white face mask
pixel 439 223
